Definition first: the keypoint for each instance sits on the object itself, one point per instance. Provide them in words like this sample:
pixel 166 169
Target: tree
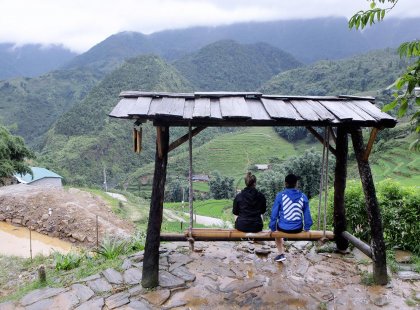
pixel 405 85
pixel 221 187
pixel 13 153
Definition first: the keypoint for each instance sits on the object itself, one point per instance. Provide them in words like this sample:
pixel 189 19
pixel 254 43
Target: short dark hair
pixel 291 180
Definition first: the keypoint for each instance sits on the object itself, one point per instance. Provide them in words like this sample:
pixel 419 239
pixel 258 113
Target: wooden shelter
pixel 343 115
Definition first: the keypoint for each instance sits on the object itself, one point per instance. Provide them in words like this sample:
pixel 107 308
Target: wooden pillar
pixel 150 276
pixel 374 214
pixel 340 176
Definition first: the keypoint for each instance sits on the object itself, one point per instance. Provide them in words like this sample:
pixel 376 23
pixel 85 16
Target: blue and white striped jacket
pixel 290 211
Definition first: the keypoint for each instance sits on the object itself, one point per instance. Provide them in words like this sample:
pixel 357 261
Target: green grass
pixel 232 154
pixel 211 207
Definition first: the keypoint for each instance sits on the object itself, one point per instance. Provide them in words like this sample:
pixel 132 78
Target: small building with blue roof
pixel 41 177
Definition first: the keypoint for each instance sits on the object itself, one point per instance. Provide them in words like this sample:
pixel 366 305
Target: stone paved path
pixel 229 275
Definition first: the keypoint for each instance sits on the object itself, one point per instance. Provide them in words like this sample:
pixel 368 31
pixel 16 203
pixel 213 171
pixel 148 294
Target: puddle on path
pixel 15 241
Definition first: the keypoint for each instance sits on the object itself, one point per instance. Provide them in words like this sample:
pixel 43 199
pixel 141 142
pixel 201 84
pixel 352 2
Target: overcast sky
pixel 80 24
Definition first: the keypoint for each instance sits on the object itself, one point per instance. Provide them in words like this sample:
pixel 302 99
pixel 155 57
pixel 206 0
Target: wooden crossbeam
pixel 185 137
pixel 369 145
pixel 321 139
pixel 211 234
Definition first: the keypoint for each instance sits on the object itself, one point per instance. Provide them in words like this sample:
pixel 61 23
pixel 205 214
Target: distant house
pixel 41 177
pixel 262 167
pixel 200 178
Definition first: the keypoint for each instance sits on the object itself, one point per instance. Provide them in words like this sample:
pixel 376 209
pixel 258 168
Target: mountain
pixel 227 65
pixel 371 71
pixel 31 60
pixel 29 106
pixel 84 141
pixel 307 40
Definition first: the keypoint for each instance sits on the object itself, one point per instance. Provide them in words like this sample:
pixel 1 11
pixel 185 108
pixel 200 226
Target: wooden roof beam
pixel 185 137
pixel 369 146
pixel 321 139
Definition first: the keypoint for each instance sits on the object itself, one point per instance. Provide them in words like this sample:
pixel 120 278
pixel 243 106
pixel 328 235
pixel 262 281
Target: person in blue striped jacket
pixel 290 213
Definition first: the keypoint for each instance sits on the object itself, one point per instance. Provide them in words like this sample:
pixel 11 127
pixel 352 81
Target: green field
pixel 211 207
pixel 232 154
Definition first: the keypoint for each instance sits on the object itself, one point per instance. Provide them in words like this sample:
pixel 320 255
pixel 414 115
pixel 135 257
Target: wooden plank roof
pixel 249 109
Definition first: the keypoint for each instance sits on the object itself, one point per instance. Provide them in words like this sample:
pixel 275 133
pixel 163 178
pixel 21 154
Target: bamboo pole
pixel 190 198
pixel 357 243
pixel 208 234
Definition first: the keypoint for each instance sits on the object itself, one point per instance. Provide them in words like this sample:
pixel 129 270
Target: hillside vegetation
pixel 85 141
pixel 227 65
pixel 372 71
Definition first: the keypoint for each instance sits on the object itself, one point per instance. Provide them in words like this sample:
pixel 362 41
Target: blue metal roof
pixel 39 173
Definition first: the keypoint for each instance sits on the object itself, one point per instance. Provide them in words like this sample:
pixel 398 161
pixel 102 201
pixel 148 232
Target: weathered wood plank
pixel 141 106
pixel 215 109
pixel 304 108
pixel 280 109
pixel 322 112
pixel 188 108
pixel 339 109
pixel 257 110
pixel 202 108
pixel 123 108
pixel 372 110
pixel 234 107
pixel 167 106
pixel 366 116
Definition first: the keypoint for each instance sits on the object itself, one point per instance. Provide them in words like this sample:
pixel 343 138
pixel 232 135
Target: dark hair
pixel 250 179
pixel 291 180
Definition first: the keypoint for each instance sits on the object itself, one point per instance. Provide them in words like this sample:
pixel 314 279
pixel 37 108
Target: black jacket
pixel 249 205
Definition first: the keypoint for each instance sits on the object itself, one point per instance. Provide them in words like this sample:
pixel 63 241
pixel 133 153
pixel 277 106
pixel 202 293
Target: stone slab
pixel 132 276
pixel 408 275
pixel 136 305
pixel 112 276
pixel 40 294
pixel 183 273
pixel 83 292
pixel 94 304
pixel 168 280
pixel 40 305
pixel 99 285
pixel 157 297
pixel 117 300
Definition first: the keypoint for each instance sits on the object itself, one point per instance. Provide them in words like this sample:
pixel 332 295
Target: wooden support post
pixel 190 185
pixel 374 214
pixel 340 175
pixel 369 146
pixel 320 138
pixel 150 276
pixel 185 138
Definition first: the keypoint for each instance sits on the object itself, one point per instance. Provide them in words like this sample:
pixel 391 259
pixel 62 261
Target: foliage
pixel 66 261
pixel 111 248
pixel 406 83
pixel 137 241
pixel 13 153
pixel 293 134
pixel 371 71
pixel 307 166
pixel 176 190
pixel 400 213
pixel 227 65
pixel 221 187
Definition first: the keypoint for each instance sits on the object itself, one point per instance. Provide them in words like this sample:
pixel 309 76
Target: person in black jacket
pixel 248 206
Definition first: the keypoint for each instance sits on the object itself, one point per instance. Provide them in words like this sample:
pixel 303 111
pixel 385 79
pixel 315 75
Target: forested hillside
pixel 368 72
pixel 85 140
pixel 29 106
pixel 227 65
pixel 31 60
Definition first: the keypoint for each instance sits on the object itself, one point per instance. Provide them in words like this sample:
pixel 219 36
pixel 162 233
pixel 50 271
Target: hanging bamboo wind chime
pixel 137 139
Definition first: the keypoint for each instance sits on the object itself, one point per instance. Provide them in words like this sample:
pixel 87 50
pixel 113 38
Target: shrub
pixel 66 261
pixel 111 248
pixel 399 208
pixel 137 241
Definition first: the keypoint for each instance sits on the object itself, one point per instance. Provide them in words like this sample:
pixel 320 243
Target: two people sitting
pixel 290 212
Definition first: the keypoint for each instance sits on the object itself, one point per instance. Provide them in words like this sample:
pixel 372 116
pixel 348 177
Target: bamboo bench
pixel 220 234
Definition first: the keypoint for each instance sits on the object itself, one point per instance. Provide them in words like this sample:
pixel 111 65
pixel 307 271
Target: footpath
pixel 235 275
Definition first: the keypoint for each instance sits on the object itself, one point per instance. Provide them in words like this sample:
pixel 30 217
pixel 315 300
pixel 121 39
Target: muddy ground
pixel 68 214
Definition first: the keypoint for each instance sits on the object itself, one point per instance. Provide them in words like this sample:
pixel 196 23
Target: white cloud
pixel 80 24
